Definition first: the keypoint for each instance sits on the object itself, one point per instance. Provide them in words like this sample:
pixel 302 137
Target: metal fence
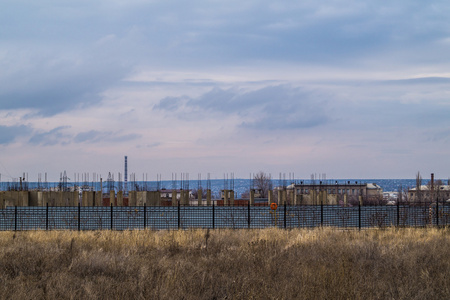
pixel 234 217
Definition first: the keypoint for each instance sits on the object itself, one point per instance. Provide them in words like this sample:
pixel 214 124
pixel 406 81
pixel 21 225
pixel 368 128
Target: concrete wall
pixel 132 198
pixel 42 198
pixel 174 198
pixel 11 198
pixel 98 198
pixel 186 198
pixel 270 197
pixel 14 198
pixel 181 197
pixel 38 198
pixel 200 195
pixel 208 197
pixel 112 198
pixel 2 200
pixel 120 198
pixel 225 197
pixel 141 198
pixel 33 198
pixel 87 198
pixel 153 198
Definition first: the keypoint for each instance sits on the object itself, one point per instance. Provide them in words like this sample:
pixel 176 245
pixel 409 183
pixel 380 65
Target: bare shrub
pixel 263 183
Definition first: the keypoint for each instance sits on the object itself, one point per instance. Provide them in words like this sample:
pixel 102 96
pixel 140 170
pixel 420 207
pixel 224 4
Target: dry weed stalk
pixel 253 264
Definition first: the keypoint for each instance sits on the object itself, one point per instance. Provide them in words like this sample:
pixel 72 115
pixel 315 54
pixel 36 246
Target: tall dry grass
pixel 226 264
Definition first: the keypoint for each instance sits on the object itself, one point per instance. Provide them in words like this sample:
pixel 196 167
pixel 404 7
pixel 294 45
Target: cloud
pixel 151 145
pixel 50 87
pixel 59 136
pixel 272 107
pixel 311 75
pixel 52 137
pixel 419 80
pixel 170 103
pixel 88 136
pixel 55 58
pixel 94 136
pixel 9 133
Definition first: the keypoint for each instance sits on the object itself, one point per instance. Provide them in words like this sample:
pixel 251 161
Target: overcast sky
pixel 353 89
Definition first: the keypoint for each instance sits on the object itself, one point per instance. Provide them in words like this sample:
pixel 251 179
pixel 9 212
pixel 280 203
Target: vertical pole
pixel 359 216
pixel 284 215
pixel 321 214
pixel 145 215
pixel 79 216
pixel 111 216
pixel 213 225
pixel 46 217
pixel 248 214
pixel 179 215
pixel 398 213
pixel 15 218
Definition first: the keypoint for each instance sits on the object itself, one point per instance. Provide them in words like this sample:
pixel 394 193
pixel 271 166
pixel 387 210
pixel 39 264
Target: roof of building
pixel 428 187
pixel 339 185
pixel 373 186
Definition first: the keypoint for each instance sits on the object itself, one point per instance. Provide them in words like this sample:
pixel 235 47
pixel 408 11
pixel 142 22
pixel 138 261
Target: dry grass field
pixel 226 264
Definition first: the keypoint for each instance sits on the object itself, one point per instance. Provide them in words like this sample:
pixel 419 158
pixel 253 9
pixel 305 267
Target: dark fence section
pixel 234 217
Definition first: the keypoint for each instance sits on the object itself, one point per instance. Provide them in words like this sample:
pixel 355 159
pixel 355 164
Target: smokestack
pixel 126 175
pixel 432 183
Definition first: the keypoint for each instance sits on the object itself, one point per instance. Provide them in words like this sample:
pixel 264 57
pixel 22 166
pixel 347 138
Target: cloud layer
pixel 352 89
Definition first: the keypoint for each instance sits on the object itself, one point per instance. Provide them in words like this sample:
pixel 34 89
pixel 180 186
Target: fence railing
pixel 186 217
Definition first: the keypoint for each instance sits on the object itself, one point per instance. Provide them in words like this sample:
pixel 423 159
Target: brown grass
pixel 226 264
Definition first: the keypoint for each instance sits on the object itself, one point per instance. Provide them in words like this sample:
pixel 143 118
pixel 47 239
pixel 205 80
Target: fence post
pixel 15 218
pixel 284 220
pixel 321 213
pixel 359 216
pixel 145 215
pixel 179 215
pixel 46 217
pixel 111 216
pixel 398 213
pixel 79 217
pixel 248 215
pixel 213 220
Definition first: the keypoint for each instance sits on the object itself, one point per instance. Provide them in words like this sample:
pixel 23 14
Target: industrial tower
pixel 126 176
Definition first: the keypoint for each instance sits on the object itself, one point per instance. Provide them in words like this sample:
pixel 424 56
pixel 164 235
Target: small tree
pixel 435 192
pixel 403 195
pixel 418 187
pixel 263 183
pixel 195 193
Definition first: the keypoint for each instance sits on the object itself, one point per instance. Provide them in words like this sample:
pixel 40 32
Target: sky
pixel 350 89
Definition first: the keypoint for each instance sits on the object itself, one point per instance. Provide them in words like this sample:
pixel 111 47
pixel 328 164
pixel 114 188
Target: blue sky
pixel 353 89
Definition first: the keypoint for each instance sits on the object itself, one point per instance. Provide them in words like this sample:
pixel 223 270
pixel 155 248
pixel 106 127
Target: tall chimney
pixel 126 175
pixel 432 185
